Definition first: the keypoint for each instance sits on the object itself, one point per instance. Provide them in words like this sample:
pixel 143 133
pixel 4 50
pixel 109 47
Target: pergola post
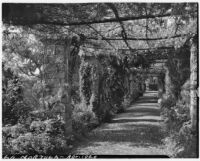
pixel 168 84
pixel 66 97
pixel 193 82
pixel 89 76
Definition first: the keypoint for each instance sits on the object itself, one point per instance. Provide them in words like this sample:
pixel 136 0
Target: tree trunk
pixel 193 83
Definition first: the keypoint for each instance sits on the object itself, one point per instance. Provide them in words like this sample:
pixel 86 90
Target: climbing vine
pixel 85 81
pixel 178 65
pixel 102 84
pixel 175 105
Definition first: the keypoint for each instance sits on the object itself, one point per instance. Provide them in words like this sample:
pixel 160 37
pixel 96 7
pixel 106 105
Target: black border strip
pixel 197 152
pixel 80 156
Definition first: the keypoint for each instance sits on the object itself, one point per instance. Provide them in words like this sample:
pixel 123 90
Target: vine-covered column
pixel 95 77
pixel 89 82
pixel 193 82
pixel 85 81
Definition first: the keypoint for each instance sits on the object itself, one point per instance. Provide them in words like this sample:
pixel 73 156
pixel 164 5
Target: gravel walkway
pixel 137 131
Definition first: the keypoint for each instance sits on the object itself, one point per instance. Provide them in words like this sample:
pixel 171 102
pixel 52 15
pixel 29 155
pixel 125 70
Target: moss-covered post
pixel 193 82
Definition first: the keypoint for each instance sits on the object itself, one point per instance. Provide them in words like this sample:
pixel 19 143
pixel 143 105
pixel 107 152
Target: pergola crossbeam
pixel 123 32
pixel 140 39
pixel 103 38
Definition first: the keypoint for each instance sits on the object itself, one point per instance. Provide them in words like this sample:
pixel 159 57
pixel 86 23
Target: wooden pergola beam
pixel 123 32
pixel 104 38
pixel 105 20
pixel 23 20
pixel 139 39
pixel 158 48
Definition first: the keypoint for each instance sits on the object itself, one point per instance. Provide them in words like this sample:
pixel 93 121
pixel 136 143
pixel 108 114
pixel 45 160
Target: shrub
pixel 42 137
pixel 126 102
pixel 106 112
pixel 167 102
pixel 187 141
pixel 83 119
pixel 181 141
pixel 14 106
pixel 182 144
pixel 174 114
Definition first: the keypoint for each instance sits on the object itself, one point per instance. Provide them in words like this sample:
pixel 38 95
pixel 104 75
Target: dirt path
pixel 137 131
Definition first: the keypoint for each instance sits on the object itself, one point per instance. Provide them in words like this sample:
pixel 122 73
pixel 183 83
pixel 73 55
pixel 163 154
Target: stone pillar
pixel 131 84
pixel 147 84
pixel 95 76
pixel 89 82
pixel 66 89
pixel 193 82
pixel 85 86
pixel 160 86
pixel 168 84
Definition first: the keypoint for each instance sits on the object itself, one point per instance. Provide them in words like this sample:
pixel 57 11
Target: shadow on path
pixel 137 131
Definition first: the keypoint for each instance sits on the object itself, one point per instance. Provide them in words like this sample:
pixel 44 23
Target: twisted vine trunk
pixel 193 82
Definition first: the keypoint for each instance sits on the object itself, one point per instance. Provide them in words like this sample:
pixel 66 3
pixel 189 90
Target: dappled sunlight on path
pixel 137 131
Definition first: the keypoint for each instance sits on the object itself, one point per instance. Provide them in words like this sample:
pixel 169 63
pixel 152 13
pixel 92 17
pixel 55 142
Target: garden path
pixel 137 131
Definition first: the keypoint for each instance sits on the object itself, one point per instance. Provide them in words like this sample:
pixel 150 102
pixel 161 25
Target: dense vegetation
pixel 181 137
pixel 66 72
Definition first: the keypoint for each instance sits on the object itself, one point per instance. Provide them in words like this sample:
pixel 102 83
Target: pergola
pixel 116 26
pixel 153 30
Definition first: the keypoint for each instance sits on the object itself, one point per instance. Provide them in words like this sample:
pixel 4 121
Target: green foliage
pixel 15 108
pixel 187 141
pixel 40 137
pixel 85 81
pixel 114 80
pixel 179 69
pixel 83 119
pixel 75 94
pixel 183 143
pixel 175 114
pixel 108 95
pixel 167 102
pixel 106 112
pixel 126 102
pixel 181 140
pixel 139 61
